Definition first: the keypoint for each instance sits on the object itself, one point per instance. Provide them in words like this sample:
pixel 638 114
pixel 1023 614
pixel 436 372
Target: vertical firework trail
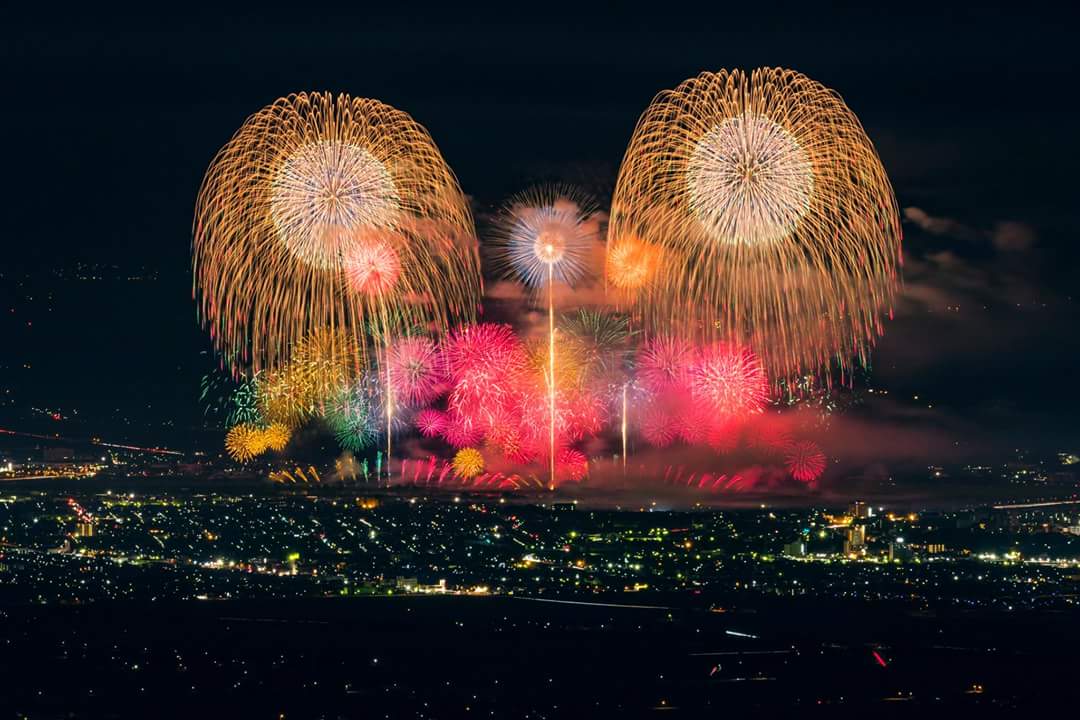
pixel 551 368
pixel 623 428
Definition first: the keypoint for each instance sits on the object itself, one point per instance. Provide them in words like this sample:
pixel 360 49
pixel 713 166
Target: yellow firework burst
pixel 244 442
pixel 326 211
pixel 772 216
pixel 468 462
pixel 276 437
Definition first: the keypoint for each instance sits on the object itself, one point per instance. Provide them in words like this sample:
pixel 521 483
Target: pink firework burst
pixel 664 364
pixel 481 350
pixel 412 365
pixel 691 422
pixel 729 379
pixel 483 364
pixel 805 461
pixel 372 267
pixel 430 422
pixel 572 464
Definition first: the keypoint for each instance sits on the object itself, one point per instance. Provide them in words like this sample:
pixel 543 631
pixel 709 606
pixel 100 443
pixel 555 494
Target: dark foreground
pixel 439 657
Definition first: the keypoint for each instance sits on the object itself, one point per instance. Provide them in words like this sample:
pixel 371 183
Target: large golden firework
pixel 326 211
pixel 768 217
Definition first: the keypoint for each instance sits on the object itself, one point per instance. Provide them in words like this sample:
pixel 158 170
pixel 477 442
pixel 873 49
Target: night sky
pixel 110 122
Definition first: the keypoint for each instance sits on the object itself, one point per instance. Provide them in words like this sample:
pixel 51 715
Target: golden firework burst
pixel 276 437
pixel 468 462
pixel 244 442
pixel 773 216
pixel 326 211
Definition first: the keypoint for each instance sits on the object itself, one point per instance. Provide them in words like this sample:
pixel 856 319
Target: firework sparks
pixel 431 422
pixel 729 379
pixel 276 436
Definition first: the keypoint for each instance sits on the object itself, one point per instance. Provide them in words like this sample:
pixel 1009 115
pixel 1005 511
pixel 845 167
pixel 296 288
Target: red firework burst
pixel 729 379
pixel 768 436
pixel 483 349
pixel 484 364
pixel 372 267
pixel 805 461
pixel 412 365
pixel 692 422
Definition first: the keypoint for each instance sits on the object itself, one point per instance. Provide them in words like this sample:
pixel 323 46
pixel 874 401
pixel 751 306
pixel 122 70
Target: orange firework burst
pixel 468 462
pixel 632 263
pixel 774 216
pixel 329 211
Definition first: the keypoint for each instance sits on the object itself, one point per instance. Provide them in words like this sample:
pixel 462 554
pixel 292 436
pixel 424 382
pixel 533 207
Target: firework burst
pixel 413 370
pixel 547 234
pixel 329 211
pixel 664 364
pixel 776 222
pixel 353 417
pixel 431 422
pixel 729 379
pixel 276 436
pixel 244 442
pixel 805 461
pixel 468 463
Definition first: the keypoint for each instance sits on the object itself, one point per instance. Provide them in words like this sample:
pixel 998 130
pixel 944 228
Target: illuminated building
pixel 855 542
pixel 795 549
pixel 861 511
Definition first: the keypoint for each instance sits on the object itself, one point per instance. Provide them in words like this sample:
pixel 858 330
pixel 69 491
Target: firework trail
pixel 545 235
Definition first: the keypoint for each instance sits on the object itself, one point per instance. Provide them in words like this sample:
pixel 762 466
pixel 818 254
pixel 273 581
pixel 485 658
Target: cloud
pixel 1006 236
pixel 939 225
pixel 1011 236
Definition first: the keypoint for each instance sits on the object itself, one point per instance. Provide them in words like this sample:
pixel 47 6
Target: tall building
pixel 855 542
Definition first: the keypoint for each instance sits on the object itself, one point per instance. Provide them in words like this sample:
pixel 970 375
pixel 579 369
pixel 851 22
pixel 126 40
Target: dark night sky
pixel 110 122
